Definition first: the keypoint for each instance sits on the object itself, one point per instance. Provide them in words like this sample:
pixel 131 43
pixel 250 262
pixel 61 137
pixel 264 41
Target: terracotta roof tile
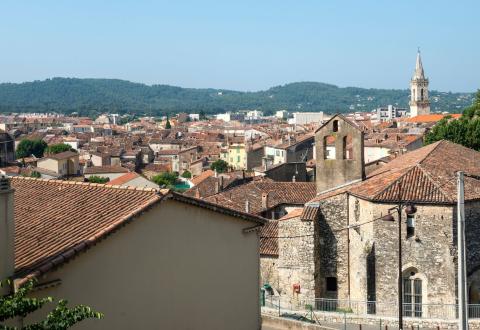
pixel 425 175
pixel 268 239
pixel 105 169
pixel 121 180
pixel 52 216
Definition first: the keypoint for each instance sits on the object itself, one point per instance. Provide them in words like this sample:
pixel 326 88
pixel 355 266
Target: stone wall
pixel 331 247
pixel 269 272
pixel 296 258
pixel 332 173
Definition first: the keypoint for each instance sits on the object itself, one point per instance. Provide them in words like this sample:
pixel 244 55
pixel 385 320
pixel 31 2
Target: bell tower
pixel 419 101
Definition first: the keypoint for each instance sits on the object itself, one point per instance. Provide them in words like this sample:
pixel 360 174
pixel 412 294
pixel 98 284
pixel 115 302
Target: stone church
pixel 339 247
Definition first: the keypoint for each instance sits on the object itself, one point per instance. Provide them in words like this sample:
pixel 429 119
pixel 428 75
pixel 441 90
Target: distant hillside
pixel 94 96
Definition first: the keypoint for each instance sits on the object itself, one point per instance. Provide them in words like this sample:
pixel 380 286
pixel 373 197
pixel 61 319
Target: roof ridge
pixel 430 152
pixel 430 178
pixel 101 185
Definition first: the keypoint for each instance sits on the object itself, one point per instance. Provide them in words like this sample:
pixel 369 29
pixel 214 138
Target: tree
pixel 464 131
pixel 186 175
pixel 18 304
pixel 168 125
pixel 27 147
pixel 98 179
pixel 166 179
pixel 58 148
pixel 220 166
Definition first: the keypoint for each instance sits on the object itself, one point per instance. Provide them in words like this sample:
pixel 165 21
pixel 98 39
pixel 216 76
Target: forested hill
pixel 94 96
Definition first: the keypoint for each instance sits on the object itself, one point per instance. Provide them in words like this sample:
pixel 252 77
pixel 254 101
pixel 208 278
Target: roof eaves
pixel 216 208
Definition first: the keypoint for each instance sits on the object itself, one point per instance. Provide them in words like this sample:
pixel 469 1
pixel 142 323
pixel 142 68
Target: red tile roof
pixel 426 175
pixel 56 220
pixel 105 169
pixel 268 239
pixel 121 180
pixel 52 217
pixel 430 118
pixel 292 193
pixel 202 176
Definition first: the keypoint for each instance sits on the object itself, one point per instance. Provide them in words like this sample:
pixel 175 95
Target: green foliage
pixel 35 174
pixel 220 166
pixel 98 179
pixel 186 175
pixel 92 97
pixel 26 148
pixel 168 125
pixel 464 131
pixel 166 179
pixel 58 148
pixel 61 317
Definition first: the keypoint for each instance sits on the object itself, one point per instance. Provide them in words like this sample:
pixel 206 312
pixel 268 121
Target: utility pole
pixel 461 271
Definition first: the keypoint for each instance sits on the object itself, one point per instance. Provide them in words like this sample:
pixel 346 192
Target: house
pixel 147 259
pixel 64 164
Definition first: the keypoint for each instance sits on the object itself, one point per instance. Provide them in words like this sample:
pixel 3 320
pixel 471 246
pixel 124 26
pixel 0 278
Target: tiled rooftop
pixel 53 216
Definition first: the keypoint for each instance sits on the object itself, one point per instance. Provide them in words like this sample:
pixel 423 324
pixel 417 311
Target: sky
pixel 243 45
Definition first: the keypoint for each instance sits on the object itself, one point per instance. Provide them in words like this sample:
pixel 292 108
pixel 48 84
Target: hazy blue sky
pixel 243 44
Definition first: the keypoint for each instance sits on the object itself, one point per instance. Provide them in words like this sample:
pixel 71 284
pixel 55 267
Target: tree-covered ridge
pixel 94 96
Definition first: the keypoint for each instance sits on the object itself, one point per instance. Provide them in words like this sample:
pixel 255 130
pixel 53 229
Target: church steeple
pixel 419 74
pixel 419 102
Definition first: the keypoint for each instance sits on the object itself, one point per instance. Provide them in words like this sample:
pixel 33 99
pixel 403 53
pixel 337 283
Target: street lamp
pixel 410 209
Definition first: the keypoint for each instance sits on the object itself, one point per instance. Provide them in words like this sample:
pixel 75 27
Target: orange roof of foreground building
pixel 56 220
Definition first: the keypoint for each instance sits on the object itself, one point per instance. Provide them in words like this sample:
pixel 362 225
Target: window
pixel 331 283
pixel 412 296
pixel 410 226
pixel 335 125
pixel 421 94
pixel 238 159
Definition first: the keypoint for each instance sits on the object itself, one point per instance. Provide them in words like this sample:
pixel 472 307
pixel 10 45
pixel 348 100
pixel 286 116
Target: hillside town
pixel 242 215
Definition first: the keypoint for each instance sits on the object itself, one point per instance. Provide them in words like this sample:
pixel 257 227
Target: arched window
pixel 412 293
pixel 329 147
pixel 347 147
pixel 335 125
pixel 421 94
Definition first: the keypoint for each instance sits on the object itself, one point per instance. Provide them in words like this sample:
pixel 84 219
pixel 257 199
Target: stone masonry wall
pixel 331 247
pixel 296 259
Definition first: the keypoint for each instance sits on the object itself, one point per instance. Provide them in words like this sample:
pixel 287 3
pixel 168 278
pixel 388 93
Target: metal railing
pixel 372 308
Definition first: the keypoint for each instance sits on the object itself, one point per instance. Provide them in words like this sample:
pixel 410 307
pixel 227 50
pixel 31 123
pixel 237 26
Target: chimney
pixel 265 200
pixel 216 174
pixel 7 230
pixel 247 206
pixel 217 187
pixel 197 193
